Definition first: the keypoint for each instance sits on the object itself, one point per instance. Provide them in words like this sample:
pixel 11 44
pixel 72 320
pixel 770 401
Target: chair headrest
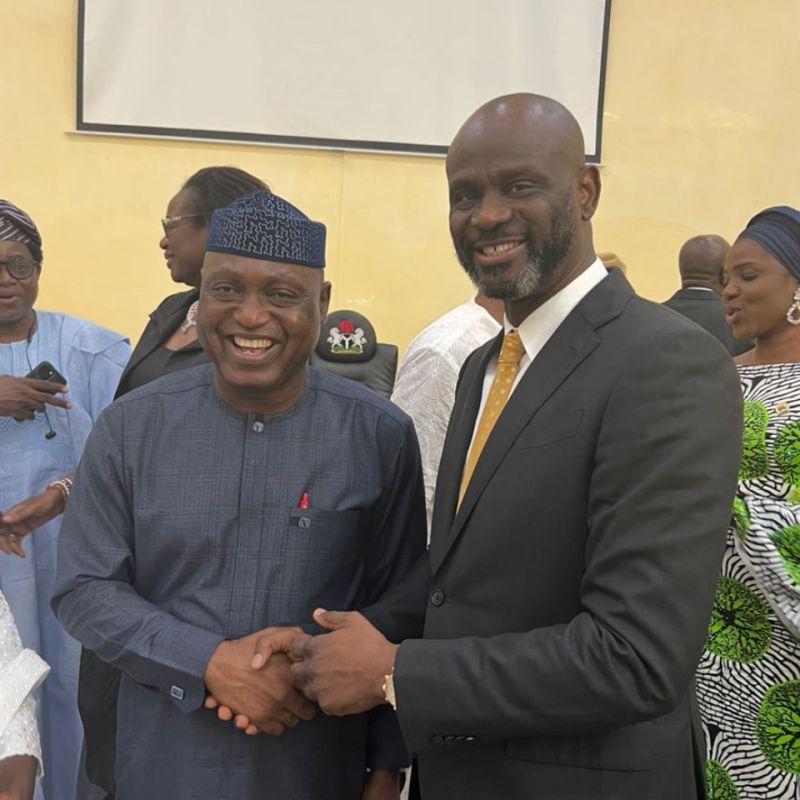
pixel 346 337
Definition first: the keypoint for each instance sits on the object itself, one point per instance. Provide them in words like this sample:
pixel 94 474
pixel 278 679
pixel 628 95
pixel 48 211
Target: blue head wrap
pixel 263 225
pixel 17 226
pixel 777 230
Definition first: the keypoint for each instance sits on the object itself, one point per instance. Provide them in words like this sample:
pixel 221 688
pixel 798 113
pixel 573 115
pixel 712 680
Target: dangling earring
pixel 793 314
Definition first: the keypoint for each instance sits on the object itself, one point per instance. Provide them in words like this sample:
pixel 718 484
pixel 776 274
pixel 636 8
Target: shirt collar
pixel 699 289
pixel 542 323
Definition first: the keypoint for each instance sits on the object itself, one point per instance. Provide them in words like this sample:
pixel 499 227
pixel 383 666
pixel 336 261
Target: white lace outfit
pixel 21 671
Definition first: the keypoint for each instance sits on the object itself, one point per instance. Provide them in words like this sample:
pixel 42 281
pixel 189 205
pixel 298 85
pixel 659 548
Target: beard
pixel 545 257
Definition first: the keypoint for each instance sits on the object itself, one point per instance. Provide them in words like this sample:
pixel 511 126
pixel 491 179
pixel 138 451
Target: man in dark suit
pixel 700 263
pixel 574 556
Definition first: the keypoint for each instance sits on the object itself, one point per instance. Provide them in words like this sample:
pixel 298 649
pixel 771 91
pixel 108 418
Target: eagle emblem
pixel 346 339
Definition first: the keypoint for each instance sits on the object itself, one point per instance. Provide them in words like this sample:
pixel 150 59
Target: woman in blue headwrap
pixel 43 428
pixel 749 677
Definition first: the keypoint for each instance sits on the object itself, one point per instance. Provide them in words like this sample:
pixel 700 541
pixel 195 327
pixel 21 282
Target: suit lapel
pixel 457 440
pixel 572 342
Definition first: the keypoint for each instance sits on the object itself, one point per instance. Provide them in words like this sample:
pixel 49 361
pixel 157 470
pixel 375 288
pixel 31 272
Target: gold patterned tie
pixel 507 365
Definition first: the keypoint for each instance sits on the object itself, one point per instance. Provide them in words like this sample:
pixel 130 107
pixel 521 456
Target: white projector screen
pixel 353 74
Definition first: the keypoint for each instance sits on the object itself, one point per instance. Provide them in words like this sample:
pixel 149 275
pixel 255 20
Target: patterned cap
pixel 263 225
pixel 17 226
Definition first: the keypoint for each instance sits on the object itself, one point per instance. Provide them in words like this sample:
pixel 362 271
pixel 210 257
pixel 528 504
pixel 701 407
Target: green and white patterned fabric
pixel 748 681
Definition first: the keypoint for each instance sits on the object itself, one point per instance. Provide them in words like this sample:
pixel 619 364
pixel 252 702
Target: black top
pixel 157 364
pixel 150 359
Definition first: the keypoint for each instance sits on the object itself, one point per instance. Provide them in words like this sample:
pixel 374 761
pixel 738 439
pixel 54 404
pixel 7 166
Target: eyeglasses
pixel 170 223
pixel 19 268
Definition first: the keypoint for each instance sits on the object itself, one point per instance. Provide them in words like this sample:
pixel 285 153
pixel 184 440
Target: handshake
pixel 275 678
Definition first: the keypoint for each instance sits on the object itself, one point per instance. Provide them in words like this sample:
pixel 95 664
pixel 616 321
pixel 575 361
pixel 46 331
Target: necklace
pixel 191 317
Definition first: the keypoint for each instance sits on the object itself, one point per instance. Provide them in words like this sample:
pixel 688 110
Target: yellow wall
pixel 700 131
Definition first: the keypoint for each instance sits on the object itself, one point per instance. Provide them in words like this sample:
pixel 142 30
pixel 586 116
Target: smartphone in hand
pixel 45 371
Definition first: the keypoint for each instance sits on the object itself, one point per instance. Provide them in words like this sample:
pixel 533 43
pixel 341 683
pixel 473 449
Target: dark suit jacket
pixel 705 308
pixel 569 596
pixel 163 323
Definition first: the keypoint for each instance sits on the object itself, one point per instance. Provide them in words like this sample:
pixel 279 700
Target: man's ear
pixel 588 190
pixel 324 300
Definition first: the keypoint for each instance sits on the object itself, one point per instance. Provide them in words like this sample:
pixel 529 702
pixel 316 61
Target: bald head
pixel 521 200
pixel 556 130
pixel 701 260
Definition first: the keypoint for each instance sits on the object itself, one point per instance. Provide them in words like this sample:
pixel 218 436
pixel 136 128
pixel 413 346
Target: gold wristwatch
pixel 388 690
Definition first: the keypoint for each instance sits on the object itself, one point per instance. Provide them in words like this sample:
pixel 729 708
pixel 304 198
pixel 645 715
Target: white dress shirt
pixel 537 328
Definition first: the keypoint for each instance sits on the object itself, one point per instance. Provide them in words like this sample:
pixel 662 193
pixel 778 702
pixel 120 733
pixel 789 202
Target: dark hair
pixel 215 187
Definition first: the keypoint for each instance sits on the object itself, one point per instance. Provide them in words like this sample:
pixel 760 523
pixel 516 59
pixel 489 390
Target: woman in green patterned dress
pixel 748 682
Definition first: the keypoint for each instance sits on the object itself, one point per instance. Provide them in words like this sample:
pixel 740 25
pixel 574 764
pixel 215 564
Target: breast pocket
pixel 321 530
pixel 323 558
pixel 555 427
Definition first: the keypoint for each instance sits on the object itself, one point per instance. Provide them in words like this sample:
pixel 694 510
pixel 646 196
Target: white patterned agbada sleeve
pixel 426 380
pixel 425 390
pixel 21 671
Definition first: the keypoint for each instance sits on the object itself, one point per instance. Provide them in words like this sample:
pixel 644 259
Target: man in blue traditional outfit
pixel 43 428
pixel 233 496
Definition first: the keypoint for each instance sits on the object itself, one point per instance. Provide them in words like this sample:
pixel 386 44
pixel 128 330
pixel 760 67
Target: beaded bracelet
pixel 63 486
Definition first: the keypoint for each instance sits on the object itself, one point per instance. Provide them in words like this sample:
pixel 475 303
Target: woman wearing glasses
pixel 169 342
pixel 43 428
